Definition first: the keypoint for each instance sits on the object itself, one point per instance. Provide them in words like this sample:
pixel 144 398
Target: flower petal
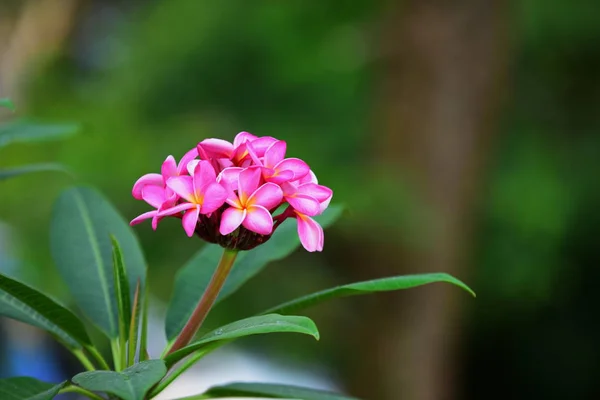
pixel 214 197
pixel 169 168
pixel 148 179
pixel 319 192
pixel 248 181
pixel 190 220
pixel 309 178
pixel 183 186
pixel 268 195
pixel 230 176
pixel 143 217
pixel 191 166
pixel 204 175
pixel 185 160
pixel 243 137
pixel 259 220
pixel 231 219
pixel 296 165
pixel 304 204
pixel 261 144
pixel 176 209
pixel 154 195
pixel 278 177
pixel 215 148
pixel 274 154
pixel 310 233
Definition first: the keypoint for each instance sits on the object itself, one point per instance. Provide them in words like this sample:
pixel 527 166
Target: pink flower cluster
pixel 228 193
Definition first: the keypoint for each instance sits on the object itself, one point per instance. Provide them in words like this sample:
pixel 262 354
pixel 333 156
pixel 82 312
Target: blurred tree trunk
pixel 443 64
pixel 29 32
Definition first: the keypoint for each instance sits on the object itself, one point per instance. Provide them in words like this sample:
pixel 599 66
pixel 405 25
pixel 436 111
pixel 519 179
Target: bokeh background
pixel 462 136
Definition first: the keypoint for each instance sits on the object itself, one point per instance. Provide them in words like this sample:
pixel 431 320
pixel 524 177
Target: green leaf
pixel 134 325
pixel 132 383
pixel 23 303
pixel 82 223
pixel 24 131
pixel 366 287
pixel 272 323
pixel 121 288
pixel 6 103
pixel 25 388
pixel 27 169
pixel 270 390
pixel 194 277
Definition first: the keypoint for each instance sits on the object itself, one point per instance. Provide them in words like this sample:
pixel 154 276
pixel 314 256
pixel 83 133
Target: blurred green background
pixel 462 136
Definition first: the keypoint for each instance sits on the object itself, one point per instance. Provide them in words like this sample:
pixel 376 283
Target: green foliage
pixel 195 275
pixel 24 388
pixel 27 305
pixel 33 132
pixel 130 384
pixel 6 103
pixel 366 287
pixel 14 172
pixel 269 390
pixel 82 223
pixel 271 323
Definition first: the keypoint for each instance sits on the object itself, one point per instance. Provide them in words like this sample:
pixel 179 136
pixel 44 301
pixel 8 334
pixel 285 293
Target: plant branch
pixel 82 391
pixel 206 301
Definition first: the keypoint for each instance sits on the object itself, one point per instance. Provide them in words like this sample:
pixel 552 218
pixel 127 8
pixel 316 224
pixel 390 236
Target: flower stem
pixel 176 373
pixel 206 302
pixel 84 360
pixel 96 354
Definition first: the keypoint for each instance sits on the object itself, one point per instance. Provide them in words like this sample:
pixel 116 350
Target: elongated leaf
pixel 25 388
pixel 23 303
pixel 27 169
pixel 193 278
pixel 271 323
pixel 366 287
pixel 270 390
pixel 132 383
pixel 24 131
pixel 82 223
pixel 121 288
pixel 134 324
pixel 6 103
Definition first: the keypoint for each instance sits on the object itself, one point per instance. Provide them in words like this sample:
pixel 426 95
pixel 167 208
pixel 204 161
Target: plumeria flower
pixel 226 193
pixel 250 206
pixel 201 194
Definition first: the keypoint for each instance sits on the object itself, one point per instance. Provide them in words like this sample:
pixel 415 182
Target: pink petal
pixel 310 233
pixel 230 176
pixel 242 137
pixel 204 175
pixel 155 220
pixel 169 168
pixel 176 209
pixel 296 165
pixel 309 178
pixel 143 217
pixel 268 195
pixel 259 220
pixel 275 153
pixel 183 186
pixel 214 197
pixel 248 181
pixel 154 195
pixel 187 157
pixel 319 192
pixel 304 204
pixel 279 177
pixel 190 220
pixel 261 144
pixel 231 219
pixel 191 166
pixel 148 179
pixel 215 148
